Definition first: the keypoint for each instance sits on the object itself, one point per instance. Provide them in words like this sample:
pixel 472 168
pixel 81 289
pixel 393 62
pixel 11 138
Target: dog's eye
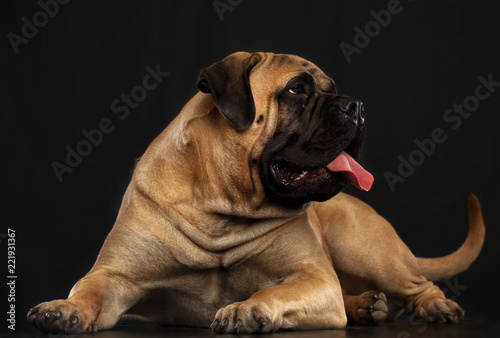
pixel 297 89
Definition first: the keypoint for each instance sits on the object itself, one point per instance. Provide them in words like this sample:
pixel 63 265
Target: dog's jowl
pixel 234 219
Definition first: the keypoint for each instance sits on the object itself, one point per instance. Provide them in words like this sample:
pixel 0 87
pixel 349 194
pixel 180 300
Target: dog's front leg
pixel 309 299
pixel 97 301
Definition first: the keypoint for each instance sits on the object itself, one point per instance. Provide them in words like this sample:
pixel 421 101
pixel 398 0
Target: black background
pixel 64 79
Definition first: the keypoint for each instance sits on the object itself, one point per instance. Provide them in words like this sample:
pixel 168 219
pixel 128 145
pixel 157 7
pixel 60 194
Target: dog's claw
pixel 441 319
pixel 214 324
pixel 74 320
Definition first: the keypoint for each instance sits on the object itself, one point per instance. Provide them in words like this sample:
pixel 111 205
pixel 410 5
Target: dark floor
pixel 402 328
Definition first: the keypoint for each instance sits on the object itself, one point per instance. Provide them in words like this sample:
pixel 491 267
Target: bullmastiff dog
pixel 234 219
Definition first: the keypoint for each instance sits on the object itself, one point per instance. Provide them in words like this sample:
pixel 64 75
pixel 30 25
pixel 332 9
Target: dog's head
pixel 305 135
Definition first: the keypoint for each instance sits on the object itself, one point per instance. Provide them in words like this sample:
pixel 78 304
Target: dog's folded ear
pixel 228 83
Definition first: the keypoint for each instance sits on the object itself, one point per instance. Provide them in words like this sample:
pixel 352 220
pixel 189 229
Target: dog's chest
pixel 193 299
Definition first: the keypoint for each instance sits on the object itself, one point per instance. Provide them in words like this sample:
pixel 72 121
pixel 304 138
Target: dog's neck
pixel 231 204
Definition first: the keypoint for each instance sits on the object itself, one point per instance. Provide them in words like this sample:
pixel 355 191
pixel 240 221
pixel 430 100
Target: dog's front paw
pixel 245 317
pixel 60 316
pixel 370 308
pixel 440 311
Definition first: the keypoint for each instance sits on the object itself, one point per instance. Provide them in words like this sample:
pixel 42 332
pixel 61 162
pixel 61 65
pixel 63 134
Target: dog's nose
pixel 351 107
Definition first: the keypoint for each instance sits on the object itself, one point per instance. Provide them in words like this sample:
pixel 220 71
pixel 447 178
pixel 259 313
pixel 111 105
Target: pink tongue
pixel 352 170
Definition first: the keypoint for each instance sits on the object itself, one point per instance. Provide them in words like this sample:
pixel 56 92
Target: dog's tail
pixel 445 267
